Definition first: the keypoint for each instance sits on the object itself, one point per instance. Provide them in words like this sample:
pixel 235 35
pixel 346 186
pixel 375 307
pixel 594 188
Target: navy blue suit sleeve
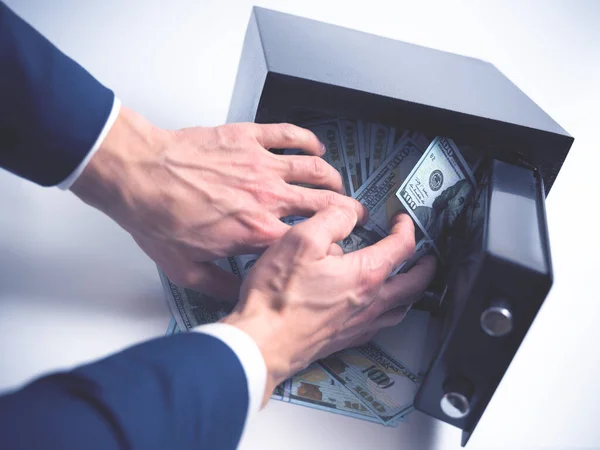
pixel 51 109
pixel 187 391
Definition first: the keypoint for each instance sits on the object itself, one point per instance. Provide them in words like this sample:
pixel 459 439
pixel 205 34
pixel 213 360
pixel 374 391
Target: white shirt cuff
pixel 114 113
pixel 250 357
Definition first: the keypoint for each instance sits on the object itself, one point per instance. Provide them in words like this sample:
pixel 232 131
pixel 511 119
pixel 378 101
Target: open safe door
pixel 500 275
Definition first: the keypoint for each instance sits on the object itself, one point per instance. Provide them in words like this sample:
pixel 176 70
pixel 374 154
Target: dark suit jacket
pixel 187 391
pixel 51 109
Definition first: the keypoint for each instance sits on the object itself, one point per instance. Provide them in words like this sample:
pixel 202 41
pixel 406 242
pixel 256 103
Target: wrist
pixel 266 329
pixel 106 182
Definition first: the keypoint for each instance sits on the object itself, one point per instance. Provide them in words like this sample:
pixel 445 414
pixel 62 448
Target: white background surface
pixel 74 287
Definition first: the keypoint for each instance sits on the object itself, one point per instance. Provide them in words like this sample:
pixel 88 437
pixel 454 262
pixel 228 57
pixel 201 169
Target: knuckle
pixel 264 192
pixel 373 272
pixel 337 213
pixel 233 134
pixel 288 132
pixel 263 230
pixel 330 199
pixel 319 168
pixel 343 202
pixel 297 165
pixel 224 135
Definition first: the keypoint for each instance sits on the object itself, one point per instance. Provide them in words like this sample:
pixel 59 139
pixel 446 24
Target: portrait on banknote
pixel 358 239
pixel 441 216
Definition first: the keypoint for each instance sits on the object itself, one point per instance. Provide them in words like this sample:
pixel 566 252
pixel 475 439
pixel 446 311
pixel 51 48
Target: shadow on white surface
pixel 317 430
pixel 69 280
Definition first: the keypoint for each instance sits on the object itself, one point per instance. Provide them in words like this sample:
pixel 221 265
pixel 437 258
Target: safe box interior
pixel 487 294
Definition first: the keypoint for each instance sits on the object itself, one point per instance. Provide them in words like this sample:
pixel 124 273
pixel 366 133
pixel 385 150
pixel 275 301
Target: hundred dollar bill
pixel 419 139
pixel 437 190
pixel 364 129
pixel 328 133
pixel 191 308
pixel 403 342
pixel 358 239
pixel 316 388
pixel 377 193
pixel 382 384
pixel 279 392
pixel 381 143
pixel 350 147
pixel 363 149
pixel 245 263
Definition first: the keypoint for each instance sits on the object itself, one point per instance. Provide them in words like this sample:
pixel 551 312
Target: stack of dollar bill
pixel 389 170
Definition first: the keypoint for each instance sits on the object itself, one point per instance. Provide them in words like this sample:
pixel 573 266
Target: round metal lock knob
pixel 497 321
pixel 455 405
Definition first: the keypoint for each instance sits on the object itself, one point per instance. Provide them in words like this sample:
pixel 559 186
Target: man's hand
pixel 197 194
pixel 304 299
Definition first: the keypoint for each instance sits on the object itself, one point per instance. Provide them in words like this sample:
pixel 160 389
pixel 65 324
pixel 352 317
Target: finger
pixel 210 279
pixel 377 261
pixel 390 318
pixel 323 229
pixel 407 288
pixel 286 135
pixel 335 250
pixel 259 232
pixel 305 202
pixel 262 235
pixel 310 170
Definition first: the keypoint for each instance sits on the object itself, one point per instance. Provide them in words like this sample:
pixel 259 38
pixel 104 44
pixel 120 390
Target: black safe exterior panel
pixel 482 276
pixel 343 57
pixel 290 62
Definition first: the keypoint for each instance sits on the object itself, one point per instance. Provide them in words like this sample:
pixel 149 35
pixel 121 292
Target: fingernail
pixel 323 149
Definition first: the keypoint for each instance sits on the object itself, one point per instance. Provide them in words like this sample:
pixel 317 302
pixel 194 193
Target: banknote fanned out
pixel 383 385
pixel 328 132
pixel 359 238
pixel 350 147
pixel 192 308
pixel 381 142
pixel 377 193
pixel 437 190
pixel 389 171
pixel 314 387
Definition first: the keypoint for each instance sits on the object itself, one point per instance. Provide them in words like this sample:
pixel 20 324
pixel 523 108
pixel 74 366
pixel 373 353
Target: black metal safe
pixel 500 271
